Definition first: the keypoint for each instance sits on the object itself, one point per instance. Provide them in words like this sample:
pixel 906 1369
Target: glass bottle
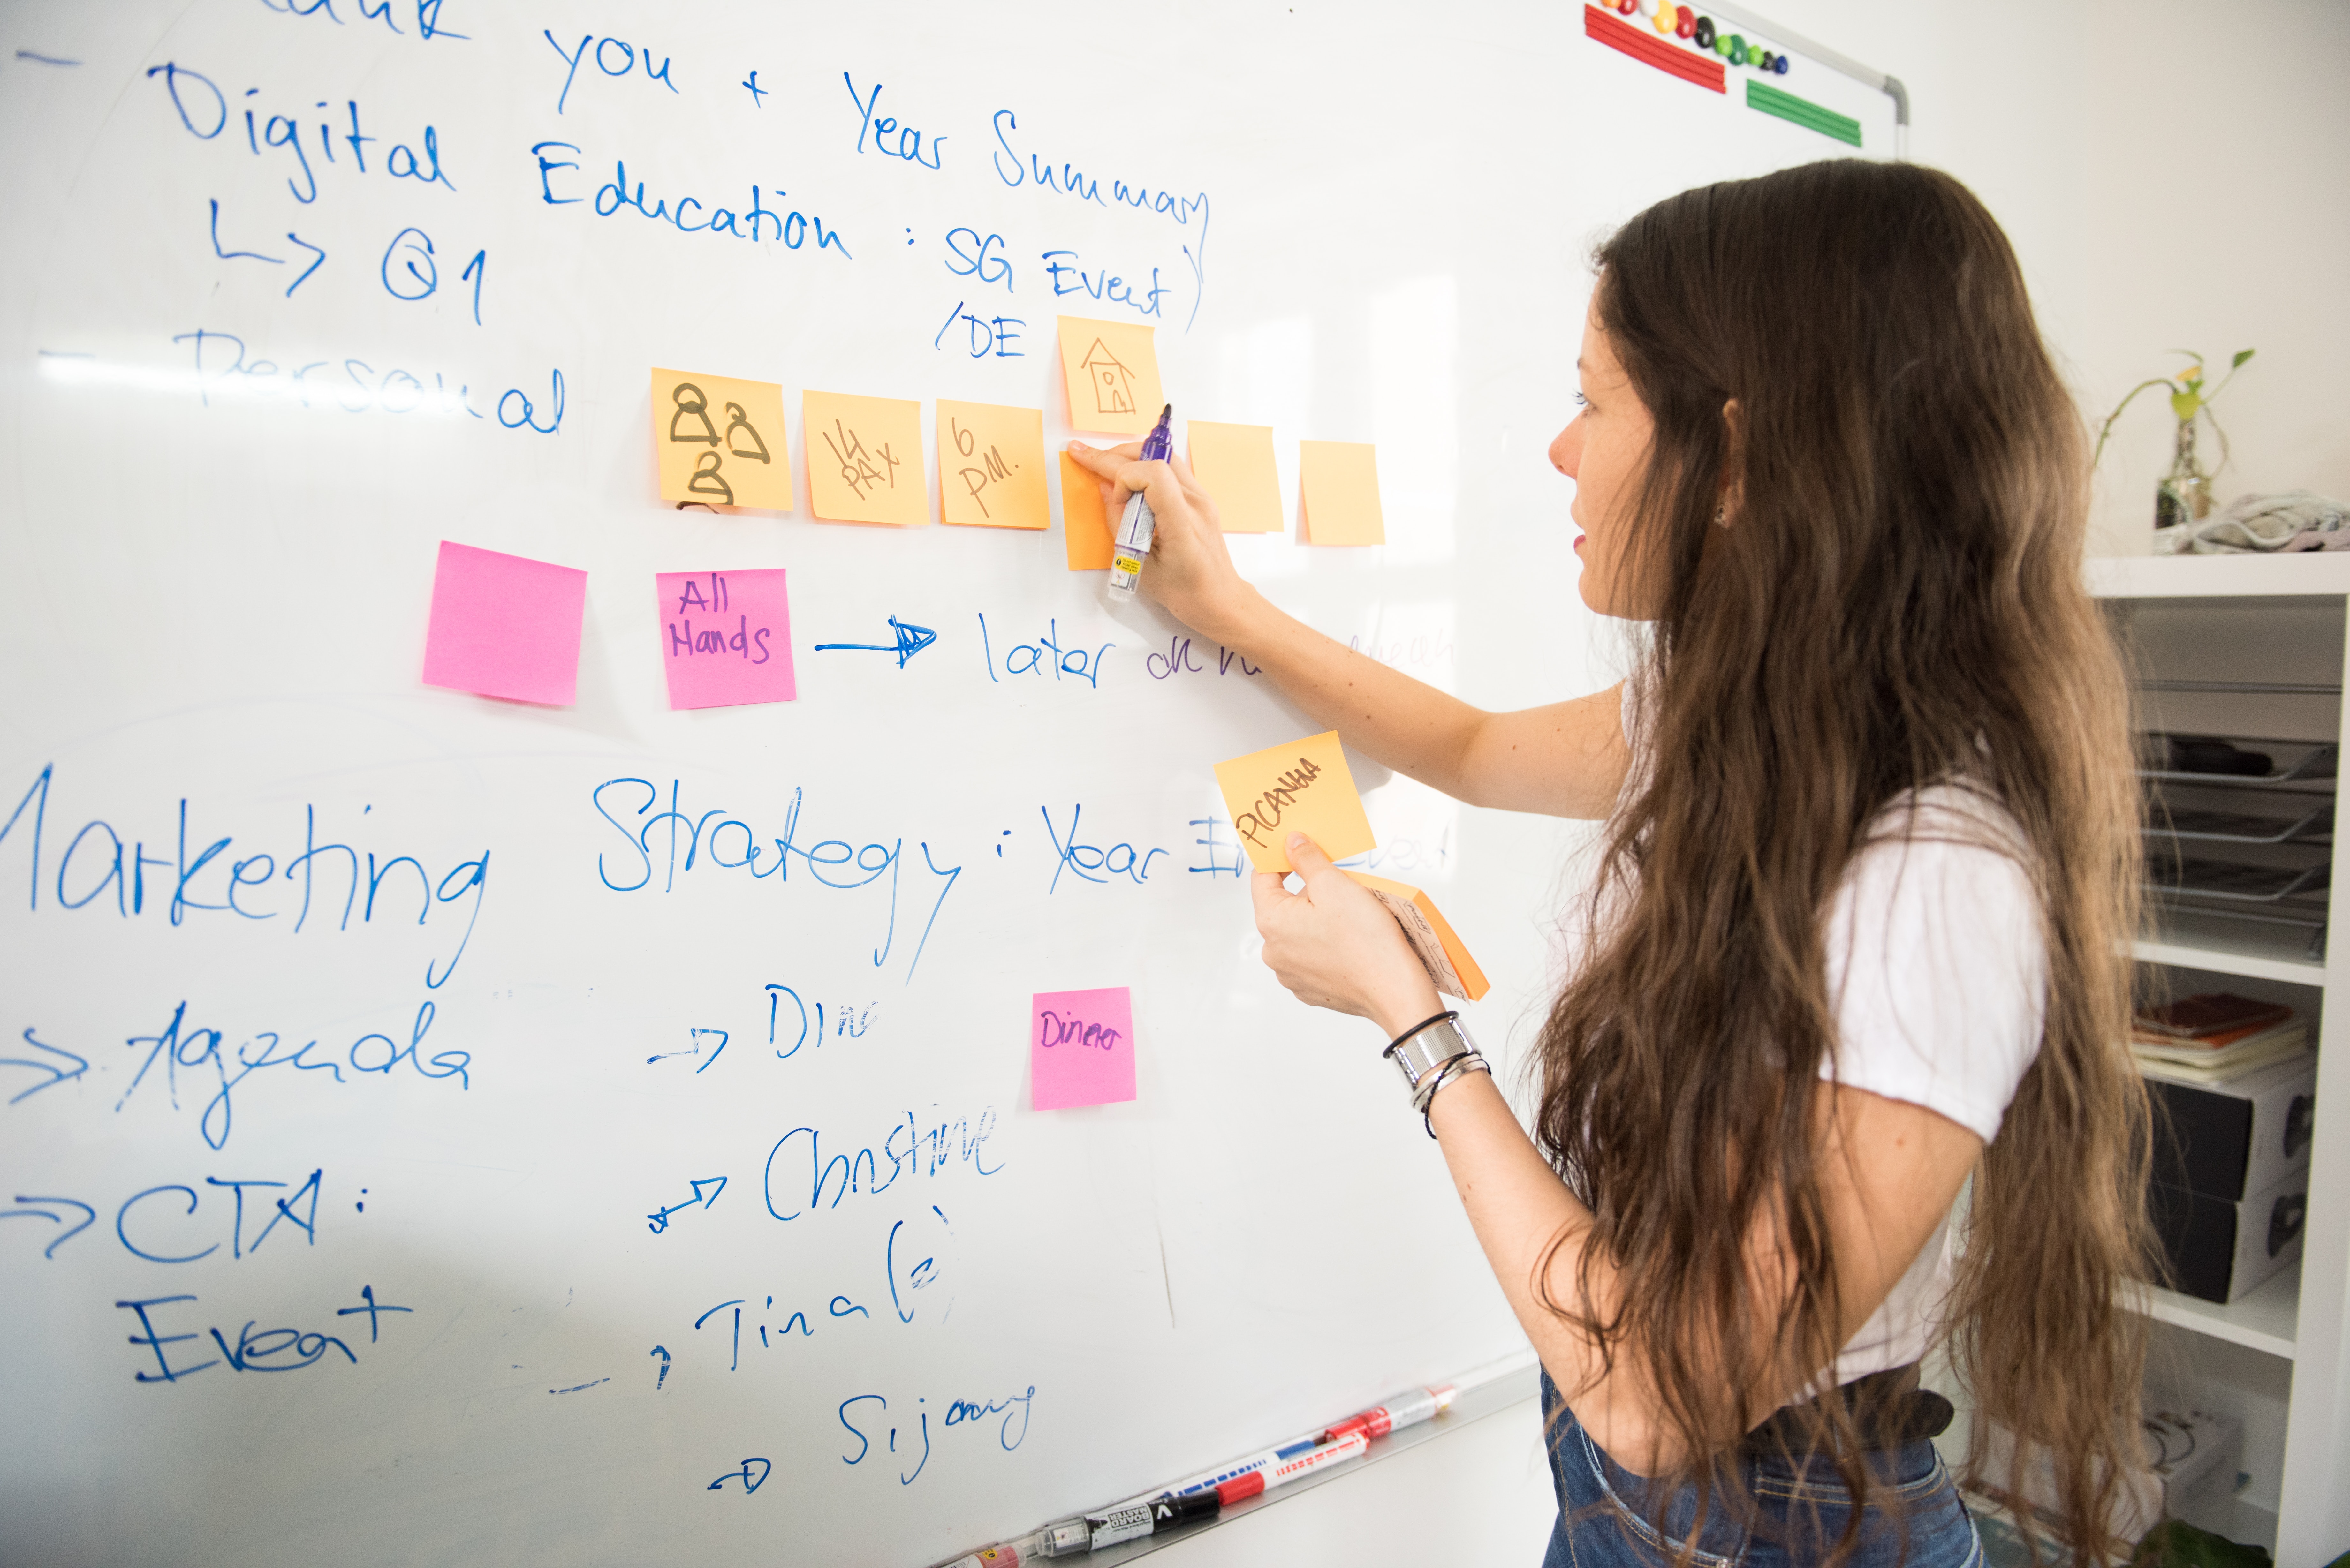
pixel 2184 495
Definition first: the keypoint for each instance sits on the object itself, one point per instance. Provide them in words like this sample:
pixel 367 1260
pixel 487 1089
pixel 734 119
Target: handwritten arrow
pixel 307 271
pixel 911 641
pixel 658 1219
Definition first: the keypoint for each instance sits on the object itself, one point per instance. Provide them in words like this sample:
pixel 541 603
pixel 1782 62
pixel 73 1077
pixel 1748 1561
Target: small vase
pixel 2184 495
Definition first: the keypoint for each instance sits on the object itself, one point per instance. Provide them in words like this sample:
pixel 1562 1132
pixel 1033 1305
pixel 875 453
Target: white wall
pixel 2172 175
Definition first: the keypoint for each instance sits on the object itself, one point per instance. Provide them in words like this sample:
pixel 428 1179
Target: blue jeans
pixel 1786 1514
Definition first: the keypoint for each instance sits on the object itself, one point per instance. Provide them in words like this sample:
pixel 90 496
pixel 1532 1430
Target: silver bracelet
pixel 1423 1050
pixel 1457 1067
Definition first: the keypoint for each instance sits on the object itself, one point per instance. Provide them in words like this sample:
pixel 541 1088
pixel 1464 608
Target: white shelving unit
pixel 2278 617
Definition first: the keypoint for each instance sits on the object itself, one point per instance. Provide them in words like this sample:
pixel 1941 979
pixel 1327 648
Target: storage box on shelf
pixel 2252 649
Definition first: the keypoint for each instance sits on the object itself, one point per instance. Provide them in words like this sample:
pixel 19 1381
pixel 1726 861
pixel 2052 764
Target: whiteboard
pixel 385 1047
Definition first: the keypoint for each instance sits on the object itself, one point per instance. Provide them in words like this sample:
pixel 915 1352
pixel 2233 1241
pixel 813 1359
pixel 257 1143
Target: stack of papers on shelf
pixel 2216 1036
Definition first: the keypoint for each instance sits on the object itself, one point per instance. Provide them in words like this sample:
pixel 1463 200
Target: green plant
pixel 2189 400
pixel 2175 1543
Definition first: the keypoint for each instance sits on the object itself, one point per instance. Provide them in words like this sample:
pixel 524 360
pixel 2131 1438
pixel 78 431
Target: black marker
pixel 1095 1531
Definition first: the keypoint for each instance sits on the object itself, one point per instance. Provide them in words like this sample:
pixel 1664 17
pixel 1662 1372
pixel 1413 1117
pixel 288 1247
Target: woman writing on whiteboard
pixel 1870 846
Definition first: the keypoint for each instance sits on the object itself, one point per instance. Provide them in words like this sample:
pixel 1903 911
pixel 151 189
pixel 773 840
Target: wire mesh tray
pixel 2226 880
pixel 2239 828
pixel 2319 767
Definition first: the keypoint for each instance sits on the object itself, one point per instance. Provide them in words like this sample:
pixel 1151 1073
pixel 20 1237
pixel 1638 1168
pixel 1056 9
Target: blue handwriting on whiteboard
pixel 97 860
pixel 848 1023
pixel 908 639
pixel 1024 658
pixel 271 1350
pixel 977 257
pixel 832 863
pixel 317 252
pixel 57 1074
pixel 1090 861
pixel 1014 1410
pixel 890 139
pixel 628 56
pixel 221 371
pixel 1191 212
pixel 428 15
pixel 690 214
pixel 913 1263
pixel 989 335
pixel 927 1153
pixel 1105 286
pixel 658 1221
pixel 204 111
pixel 177 1046
pixel 240 1244
pixel 1217 863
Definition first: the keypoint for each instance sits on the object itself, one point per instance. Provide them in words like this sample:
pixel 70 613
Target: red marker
pixel 1406 1409
pixel 1338 1450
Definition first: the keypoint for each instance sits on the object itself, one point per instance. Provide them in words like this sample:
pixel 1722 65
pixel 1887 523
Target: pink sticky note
pixel 505 625
pixel 1081 1048
pixel 726 637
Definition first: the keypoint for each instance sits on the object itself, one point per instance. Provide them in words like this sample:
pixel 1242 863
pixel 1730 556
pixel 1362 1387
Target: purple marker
pixel 1135 528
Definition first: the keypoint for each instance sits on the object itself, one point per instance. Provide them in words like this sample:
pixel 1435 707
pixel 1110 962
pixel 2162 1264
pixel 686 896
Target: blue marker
pixel 1135 528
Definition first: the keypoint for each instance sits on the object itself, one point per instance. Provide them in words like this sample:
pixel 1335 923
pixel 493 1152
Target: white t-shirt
pixel 1938 972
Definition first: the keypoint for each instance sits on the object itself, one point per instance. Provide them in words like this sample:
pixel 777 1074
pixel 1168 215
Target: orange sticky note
pixel 991 465
pixel 721 441
pixel 1339 491
pixel 865 459
pixel 1303 788
pixel 1441 951
pixel 1233 464
pixel 1085 524
pixel 1111 370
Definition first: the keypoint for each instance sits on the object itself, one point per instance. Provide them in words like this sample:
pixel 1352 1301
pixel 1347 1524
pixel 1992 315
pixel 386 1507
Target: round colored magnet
pixel 1779 66
pixel 1737 50
pixel 1685 24
pixel 1667 14
pixel 1704 33
pixel 1647 7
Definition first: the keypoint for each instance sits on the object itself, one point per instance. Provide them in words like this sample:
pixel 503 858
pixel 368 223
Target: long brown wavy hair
pixel 1897 604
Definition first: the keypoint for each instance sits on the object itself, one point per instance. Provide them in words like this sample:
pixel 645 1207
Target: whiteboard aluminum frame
pixel 1891 86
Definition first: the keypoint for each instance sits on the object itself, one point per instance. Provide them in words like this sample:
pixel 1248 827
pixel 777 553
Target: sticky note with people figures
pixel 1300 786
pixel 721 441
pixel 865 459
pixel 1110 370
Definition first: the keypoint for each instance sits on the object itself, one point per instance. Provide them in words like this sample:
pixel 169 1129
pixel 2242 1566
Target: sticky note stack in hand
pixel 1304 786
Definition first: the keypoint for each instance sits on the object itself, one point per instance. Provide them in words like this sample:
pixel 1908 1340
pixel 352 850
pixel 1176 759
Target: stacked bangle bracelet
pixel 1433 1053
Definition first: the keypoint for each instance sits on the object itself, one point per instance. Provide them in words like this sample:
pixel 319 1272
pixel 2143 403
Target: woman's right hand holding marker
pixel 1189 571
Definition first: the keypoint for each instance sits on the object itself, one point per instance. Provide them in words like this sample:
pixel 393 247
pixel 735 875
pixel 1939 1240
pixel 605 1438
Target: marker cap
pixel 1069 1538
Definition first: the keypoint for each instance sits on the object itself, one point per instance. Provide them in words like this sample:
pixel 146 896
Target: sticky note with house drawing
pixel 721 441
pixel 1338 493
pixel 1233 464
pixel 991 465
pixel 1302 786
pixel 865 459
pixel 1111 371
